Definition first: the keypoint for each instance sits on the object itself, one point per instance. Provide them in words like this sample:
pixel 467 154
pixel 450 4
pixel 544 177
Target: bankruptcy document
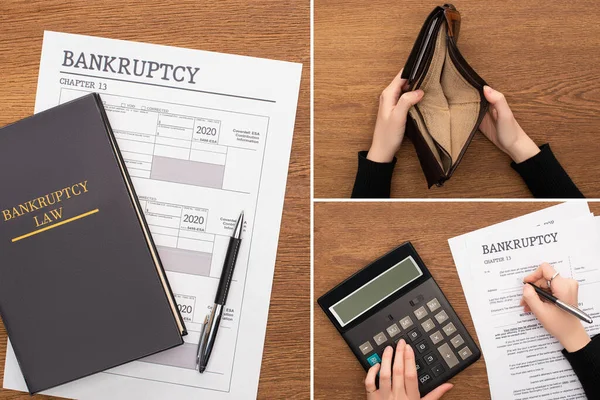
pixel 523 360
pixel 204 136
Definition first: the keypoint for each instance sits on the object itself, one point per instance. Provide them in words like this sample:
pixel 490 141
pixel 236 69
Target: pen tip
pixel 201 369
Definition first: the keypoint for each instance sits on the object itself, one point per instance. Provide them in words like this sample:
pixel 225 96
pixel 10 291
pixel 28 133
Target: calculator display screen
pixel 375 291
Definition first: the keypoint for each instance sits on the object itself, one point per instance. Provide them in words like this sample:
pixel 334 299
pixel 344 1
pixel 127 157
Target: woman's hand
pixel 400 381
pixel 565 327
pixel 501 128
pixel 391 120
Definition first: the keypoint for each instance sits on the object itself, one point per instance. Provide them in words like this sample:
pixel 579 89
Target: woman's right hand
pixel 501 128
pixel 565 327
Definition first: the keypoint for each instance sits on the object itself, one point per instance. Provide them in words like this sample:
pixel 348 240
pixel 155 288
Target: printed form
pixel 204 136
pixel 516 347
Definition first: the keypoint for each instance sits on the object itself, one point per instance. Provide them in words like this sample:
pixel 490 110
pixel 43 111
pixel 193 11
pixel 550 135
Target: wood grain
pixel 544 59
pixel 268 28
pixel 348 236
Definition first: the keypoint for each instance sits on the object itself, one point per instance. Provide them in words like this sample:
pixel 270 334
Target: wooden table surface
pixel 270 29
pixel 348 236
pixel 544 58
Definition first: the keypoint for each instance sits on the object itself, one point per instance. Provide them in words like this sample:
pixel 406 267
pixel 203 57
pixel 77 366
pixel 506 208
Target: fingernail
pixel 388 348
pixel 419 93
pixel 402 342
pixel 487 89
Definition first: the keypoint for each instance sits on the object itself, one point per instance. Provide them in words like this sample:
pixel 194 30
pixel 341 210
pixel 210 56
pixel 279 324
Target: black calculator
pixel 395 297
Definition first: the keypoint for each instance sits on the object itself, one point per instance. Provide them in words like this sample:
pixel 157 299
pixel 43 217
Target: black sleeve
pixel 586 364
pixel 373 179
pixel 545 177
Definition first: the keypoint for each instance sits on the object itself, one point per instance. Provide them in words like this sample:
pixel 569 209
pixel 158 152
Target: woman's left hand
pixel 400 381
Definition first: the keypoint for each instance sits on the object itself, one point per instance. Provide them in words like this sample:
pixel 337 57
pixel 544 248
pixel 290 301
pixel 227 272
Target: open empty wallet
pixel 443 124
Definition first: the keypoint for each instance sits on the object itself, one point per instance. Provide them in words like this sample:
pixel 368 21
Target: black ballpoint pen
pixel 212 321
pixel 562 305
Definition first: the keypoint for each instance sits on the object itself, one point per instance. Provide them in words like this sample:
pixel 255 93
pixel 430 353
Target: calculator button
pixel 436 337
pixel 428 325
pixel 406 322
pixel 422 346
pixel 414 334
pixel 374 359
pixel 433 305
pixel 423 379
pixel 366 348
pixel 437 370
pixel 448 355
pixel 449 329
pixel 380 338
pixel 393 330
pixel 399 338
pixel 416 300
pixel 465 353
pixel 441 317
pixel 420 312
pixel 429 358
pixel 457 341
pixel 418 365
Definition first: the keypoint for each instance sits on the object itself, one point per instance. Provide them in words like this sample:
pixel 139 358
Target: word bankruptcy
pixel 521 243
pixel 127 66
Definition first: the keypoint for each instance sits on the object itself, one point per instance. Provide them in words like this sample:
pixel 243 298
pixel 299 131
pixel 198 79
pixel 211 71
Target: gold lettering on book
pixel 45 201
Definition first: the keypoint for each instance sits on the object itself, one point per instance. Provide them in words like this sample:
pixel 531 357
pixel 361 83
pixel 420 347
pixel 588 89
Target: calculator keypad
pixel 430 330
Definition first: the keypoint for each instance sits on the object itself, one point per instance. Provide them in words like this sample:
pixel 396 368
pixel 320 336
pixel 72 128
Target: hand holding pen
pixel 564 326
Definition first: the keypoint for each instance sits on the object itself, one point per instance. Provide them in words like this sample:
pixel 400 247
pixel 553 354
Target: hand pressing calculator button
pixel 374 359
pixel 395 298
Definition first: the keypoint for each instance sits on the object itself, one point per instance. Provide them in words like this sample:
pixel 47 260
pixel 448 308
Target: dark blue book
pixel 82 288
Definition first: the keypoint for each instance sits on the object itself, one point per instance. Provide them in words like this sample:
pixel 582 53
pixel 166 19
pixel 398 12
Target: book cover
pixel 82 288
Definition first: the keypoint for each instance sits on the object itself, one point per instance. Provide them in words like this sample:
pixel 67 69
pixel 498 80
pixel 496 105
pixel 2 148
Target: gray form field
pixel 187 172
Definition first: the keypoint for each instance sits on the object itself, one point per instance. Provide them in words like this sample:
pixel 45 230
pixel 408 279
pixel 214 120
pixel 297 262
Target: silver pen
pixel 213 320
pixel 562 305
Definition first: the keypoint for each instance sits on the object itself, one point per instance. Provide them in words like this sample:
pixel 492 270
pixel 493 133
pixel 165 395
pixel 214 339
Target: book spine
pixel 142 219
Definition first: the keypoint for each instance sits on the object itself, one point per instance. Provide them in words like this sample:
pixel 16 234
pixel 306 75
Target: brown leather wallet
pixel 443 124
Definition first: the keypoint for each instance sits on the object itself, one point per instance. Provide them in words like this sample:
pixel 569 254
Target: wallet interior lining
pixel 449 109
